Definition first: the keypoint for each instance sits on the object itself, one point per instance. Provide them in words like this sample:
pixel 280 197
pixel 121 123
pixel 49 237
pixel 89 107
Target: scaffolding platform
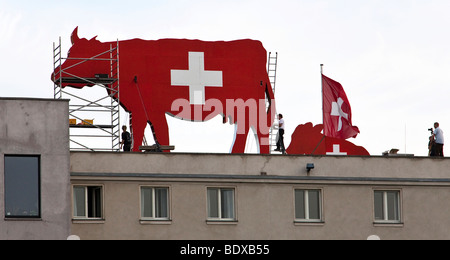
pixel 95 81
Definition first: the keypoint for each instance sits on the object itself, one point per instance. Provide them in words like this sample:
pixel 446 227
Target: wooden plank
pixel 91 126
pixel 154 148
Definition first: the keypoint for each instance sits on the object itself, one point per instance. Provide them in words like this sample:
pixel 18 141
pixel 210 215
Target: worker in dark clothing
pixel 126 140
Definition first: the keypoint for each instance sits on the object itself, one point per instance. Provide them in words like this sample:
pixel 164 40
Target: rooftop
pixel 261 167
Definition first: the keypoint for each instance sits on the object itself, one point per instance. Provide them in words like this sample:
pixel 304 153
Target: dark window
pixel 87 202
pixel 22 187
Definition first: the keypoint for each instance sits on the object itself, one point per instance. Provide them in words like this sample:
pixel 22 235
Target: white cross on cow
pixel 337 150
pixel 197 78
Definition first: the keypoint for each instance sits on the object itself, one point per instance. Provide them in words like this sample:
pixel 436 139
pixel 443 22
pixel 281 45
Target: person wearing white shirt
pixel 439 139
pixel 280 142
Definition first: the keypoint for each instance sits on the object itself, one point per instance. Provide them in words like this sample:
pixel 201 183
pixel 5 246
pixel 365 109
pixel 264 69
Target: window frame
pixel 169 203
pixel 306 208
pixel 86 201
pixel 39 189
pixel 385 206
pixel 220 217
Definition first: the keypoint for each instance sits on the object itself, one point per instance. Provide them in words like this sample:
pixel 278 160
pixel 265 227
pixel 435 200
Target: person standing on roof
pixel 439 140
pixel 280 142
pixel 126 140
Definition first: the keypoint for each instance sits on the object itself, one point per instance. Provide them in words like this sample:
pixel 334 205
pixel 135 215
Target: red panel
pixel 308 139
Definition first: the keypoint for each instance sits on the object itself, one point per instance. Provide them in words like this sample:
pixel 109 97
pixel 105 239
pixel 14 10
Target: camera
pixel 431 130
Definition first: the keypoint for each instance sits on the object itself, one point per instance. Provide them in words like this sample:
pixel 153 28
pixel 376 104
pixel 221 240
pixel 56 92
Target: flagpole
pixel 323 119
pixel 323 110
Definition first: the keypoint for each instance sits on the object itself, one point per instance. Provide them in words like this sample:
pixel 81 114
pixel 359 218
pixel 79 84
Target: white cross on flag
pixel 337 113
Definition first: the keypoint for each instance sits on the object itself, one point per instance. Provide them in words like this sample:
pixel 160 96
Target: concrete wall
pixel 38 127
pixel 253 165
pixel 265 195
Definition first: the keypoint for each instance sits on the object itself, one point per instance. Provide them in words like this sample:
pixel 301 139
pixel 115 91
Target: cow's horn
pixel 74 36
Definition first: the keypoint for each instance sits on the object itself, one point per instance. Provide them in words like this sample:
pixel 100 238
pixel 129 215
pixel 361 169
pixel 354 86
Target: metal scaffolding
pixel 86 135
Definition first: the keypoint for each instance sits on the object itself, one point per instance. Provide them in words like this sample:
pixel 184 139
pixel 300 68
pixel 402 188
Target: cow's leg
pixel 264 143
pixel 160 130
pixel 138 133
pixel 240 139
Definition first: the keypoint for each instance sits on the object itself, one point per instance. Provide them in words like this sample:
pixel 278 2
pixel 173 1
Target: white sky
pixel 391 57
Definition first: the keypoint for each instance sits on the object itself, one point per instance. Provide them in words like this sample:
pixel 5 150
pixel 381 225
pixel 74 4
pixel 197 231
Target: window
pixel 155 203
pixel 87 202
pixel 22 187
pixel 387 206
pixel 221 204
pixel 308 205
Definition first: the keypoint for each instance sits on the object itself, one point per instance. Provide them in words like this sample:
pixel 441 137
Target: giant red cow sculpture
pixel 189 79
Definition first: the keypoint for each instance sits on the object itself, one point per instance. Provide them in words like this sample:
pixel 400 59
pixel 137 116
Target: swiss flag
pixel 337 113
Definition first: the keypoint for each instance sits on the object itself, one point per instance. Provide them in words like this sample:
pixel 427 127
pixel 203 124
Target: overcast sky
pixel 391 57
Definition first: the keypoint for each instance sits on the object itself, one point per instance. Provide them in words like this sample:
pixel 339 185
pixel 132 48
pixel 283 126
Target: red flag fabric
pixel 337 113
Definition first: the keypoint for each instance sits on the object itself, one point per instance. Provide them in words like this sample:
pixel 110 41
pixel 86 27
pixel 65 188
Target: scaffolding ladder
pixel 272 69
pixel 105 108
pixel 272 73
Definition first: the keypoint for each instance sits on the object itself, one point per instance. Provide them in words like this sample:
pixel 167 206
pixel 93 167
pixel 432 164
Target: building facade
pixel 48 192
pixel 34 169
pixel 212 196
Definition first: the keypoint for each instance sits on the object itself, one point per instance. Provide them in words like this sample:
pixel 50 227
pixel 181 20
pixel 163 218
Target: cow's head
pixel 86 59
